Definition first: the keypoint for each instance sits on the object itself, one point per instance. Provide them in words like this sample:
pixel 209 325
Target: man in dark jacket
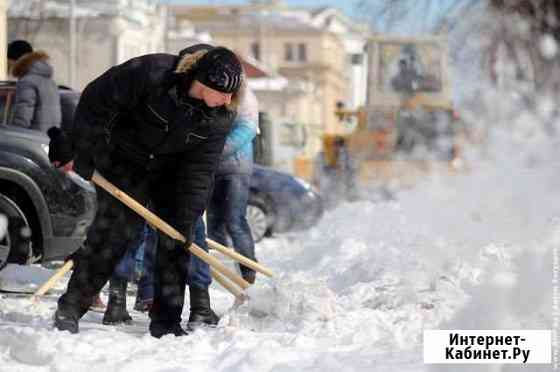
pixel 155 126
pixel 37 101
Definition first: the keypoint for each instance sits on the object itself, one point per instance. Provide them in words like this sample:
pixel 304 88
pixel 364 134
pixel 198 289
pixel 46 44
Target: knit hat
pixel 18 48
pixel 220 69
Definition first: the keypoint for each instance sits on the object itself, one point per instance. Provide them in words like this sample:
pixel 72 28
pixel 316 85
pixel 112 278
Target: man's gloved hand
pixel 60 147
pixel 84 167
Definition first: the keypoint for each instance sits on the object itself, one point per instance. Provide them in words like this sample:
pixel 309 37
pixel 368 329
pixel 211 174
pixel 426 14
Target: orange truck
pixel 408 125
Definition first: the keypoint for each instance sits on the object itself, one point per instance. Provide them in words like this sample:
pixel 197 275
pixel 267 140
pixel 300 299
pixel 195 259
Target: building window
pixel 302 52
pixel 292 134
pixel 357 59
pixel 289 52
pixel 256 51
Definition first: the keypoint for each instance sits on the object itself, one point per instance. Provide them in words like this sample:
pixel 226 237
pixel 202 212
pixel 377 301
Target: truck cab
pixel 408 124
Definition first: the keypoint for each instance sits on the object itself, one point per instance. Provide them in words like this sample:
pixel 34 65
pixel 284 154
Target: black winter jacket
pixel 135 113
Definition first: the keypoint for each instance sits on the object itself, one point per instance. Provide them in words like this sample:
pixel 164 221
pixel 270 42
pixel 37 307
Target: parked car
pixel 48 211
pixel 280 202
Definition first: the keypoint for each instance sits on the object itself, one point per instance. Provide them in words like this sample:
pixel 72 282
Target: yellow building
pixel 311 58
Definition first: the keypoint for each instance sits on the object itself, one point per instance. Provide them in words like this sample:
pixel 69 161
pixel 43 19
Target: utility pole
pixel 72 34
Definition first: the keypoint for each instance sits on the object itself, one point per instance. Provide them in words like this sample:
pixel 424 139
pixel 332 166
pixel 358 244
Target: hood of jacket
pixel 33 63
pixel 187 64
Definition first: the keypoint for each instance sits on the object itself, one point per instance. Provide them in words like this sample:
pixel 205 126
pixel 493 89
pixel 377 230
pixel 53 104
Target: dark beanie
pixel 17 48
pixel 220 69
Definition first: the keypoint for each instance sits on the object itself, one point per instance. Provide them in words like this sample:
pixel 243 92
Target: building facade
pixel 85 40
pixel 294 45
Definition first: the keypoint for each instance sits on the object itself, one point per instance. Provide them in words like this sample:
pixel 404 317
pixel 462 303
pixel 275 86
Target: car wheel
pixel 257 217
pixel 15 245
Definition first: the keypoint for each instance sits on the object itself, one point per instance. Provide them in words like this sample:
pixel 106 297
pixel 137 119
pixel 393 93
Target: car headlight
pixel 303 183
pixel 45 148
pixel 311 189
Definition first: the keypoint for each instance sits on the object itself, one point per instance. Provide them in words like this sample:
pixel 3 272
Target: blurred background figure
pixel 227 211
pixel 37 101
pixel 335 172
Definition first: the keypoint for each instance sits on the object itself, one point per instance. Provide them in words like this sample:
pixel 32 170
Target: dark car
pixel 280 202
pixel 48 211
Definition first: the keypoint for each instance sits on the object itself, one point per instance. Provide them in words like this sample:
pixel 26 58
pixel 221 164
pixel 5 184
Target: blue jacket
pixel 237 156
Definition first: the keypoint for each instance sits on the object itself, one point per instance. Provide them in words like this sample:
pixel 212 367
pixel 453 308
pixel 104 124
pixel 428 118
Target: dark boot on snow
pixel 160 329
pixel 116 312
pixel 64 321
pixel 201 313
pixel 248 274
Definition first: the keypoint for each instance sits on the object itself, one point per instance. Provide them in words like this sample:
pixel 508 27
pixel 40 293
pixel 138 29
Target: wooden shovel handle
pixel 53 279
pixel 239 258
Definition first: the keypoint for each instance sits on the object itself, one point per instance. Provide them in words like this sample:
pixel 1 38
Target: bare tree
pixel 518 27
pixel 541 18
pixel 436 13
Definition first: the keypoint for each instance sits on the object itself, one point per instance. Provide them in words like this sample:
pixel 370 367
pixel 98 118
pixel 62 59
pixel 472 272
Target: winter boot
pixel 116 308
pixel 160 329
pixel 201 313
pixel 64 321
pixel 248 274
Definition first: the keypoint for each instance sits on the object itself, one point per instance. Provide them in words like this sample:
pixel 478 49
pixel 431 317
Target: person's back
pixel 37 100
pixel 226 213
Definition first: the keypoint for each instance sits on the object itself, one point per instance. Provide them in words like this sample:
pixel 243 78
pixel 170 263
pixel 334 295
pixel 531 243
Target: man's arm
pixel 242 133
pixel 24 104
pixel 244 126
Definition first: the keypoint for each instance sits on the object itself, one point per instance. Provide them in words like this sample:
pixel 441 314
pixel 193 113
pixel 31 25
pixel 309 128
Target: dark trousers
pixel 227 214
pixel 114 229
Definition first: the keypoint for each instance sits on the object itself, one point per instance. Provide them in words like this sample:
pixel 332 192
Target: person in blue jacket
pixel 226 213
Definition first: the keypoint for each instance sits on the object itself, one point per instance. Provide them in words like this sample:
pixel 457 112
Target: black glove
pixel 84 166
pixel 60 146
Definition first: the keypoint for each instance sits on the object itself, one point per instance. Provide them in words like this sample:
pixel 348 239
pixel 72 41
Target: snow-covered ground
pixel 469 251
